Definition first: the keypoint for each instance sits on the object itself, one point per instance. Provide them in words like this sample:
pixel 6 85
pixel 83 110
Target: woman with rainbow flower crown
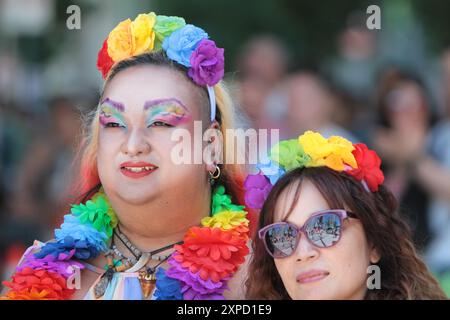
pixel 146 227
pixel 328 228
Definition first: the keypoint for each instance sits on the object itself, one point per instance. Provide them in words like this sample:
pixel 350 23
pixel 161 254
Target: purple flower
pixel 257 188
pixel 193 286
pixel 49 263
pixel 207 63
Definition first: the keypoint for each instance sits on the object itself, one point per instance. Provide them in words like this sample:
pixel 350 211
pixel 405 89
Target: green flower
pixel 98 212
pixel 222 202
pixel 289 154
pixel 164 27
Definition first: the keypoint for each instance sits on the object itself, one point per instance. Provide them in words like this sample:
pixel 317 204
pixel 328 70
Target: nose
pixel 305 250
pixel 136 143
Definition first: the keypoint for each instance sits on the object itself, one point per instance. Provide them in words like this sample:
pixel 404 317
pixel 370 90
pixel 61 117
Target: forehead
pixel 137 86
pixel 309 200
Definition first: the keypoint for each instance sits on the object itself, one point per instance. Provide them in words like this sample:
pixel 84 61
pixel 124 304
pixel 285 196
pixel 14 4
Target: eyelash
pixel 153 124
pixel 159 124
pixel 113 125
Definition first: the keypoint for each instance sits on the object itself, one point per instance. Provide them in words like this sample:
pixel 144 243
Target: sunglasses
pixel 323 230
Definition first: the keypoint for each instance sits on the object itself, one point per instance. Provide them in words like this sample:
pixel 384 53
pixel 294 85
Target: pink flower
pixel 207 63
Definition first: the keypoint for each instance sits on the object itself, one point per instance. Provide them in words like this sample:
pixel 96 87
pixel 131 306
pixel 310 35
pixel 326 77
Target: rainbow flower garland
pixel 186 44
pixel 311 149
pixel 199 268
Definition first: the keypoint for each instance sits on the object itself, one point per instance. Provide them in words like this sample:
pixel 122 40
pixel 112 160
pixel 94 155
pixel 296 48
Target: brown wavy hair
pixel 404 274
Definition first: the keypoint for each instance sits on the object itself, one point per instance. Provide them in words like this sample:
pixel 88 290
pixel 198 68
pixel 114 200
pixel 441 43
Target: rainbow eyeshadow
pixel 169 111
pixel 111 112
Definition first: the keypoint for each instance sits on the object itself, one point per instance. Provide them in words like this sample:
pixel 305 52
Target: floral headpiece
pixel 311 149
pixel 183 43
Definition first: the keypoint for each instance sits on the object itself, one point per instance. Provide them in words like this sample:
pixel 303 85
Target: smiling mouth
pixel 139 169
pixel 136 172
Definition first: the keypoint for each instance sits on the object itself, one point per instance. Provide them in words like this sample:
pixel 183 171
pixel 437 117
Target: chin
pixel 313 295
pixel 136 198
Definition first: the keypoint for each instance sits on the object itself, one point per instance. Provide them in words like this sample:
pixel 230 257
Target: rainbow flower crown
pixel 183 43
pixel 311 149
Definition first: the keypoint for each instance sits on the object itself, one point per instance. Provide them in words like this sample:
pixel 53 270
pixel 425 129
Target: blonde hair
pixel 232 174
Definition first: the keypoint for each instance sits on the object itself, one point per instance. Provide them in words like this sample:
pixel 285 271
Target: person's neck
pixel 161 222
pixel 147 243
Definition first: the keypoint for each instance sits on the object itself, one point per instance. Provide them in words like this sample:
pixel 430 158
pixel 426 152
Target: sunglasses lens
pixel 324 230
pixel 281 240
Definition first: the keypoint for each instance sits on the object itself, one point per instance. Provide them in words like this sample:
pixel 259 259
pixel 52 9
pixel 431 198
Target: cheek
pixel 349 259
pixel 286 268
pixel 108 149
pixel 108 143
pixel 281 265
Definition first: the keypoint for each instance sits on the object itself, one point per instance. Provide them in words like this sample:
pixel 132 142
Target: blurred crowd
pixel 358 93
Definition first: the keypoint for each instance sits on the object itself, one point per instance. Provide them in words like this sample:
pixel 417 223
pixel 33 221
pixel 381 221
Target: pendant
pixel 102 284
pixel 147 280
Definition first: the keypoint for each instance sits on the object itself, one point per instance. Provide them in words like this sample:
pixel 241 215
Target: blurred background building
pixel 292 65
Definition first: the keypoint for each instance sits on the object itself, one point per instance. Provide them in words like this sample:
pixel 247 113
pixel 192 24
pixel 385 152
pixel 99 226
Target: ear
pixel 374 256
pixel 214 146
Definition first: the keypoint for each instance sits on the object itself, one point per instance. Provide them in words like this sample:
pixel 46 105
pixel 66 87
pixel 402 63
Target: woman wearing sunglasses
pixel 325 218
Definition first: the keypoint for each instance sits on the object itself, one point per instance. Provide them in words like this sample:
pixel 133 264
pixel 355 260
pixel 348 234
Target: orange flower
pixel 214 253
pixel 37 284
pixel 27 294
pixel 120 41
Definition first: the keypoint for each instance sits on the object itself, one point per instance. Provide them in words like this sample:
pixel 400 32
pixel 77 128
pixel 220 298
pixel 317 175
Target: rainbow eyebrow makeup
pixel 111 112
pixel 170 111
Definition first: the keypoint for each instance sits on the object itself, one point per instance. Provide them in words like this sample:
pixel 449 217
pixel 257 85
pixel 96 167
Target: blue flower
pixel 271 171
pixel 66 248
pixel 180 45
pixel 78 231
pixel 166 287
pixel 56 249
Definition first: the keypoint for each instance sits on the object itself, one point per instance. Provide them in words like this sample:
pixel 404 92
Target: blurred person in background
pixel 262 66
pixel 404 122
pixel 421 163
pixel 353 71
pixel 40 190
pixel 14 139
pixel 431 168
pixel 311 106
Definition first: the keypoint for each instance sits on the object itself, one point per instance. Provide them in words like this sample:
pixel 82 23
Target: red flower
pixel 212 252
pixel 38 283
pixel 104 61
pixel 368 167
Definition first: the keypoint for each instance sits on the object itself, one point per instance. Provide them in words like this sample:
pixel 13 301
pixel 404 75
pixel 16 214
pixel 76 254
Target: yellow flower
pixel 131 38
pixel 226 220
pixel 334 152
pixel 143 33
pixel 121 41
